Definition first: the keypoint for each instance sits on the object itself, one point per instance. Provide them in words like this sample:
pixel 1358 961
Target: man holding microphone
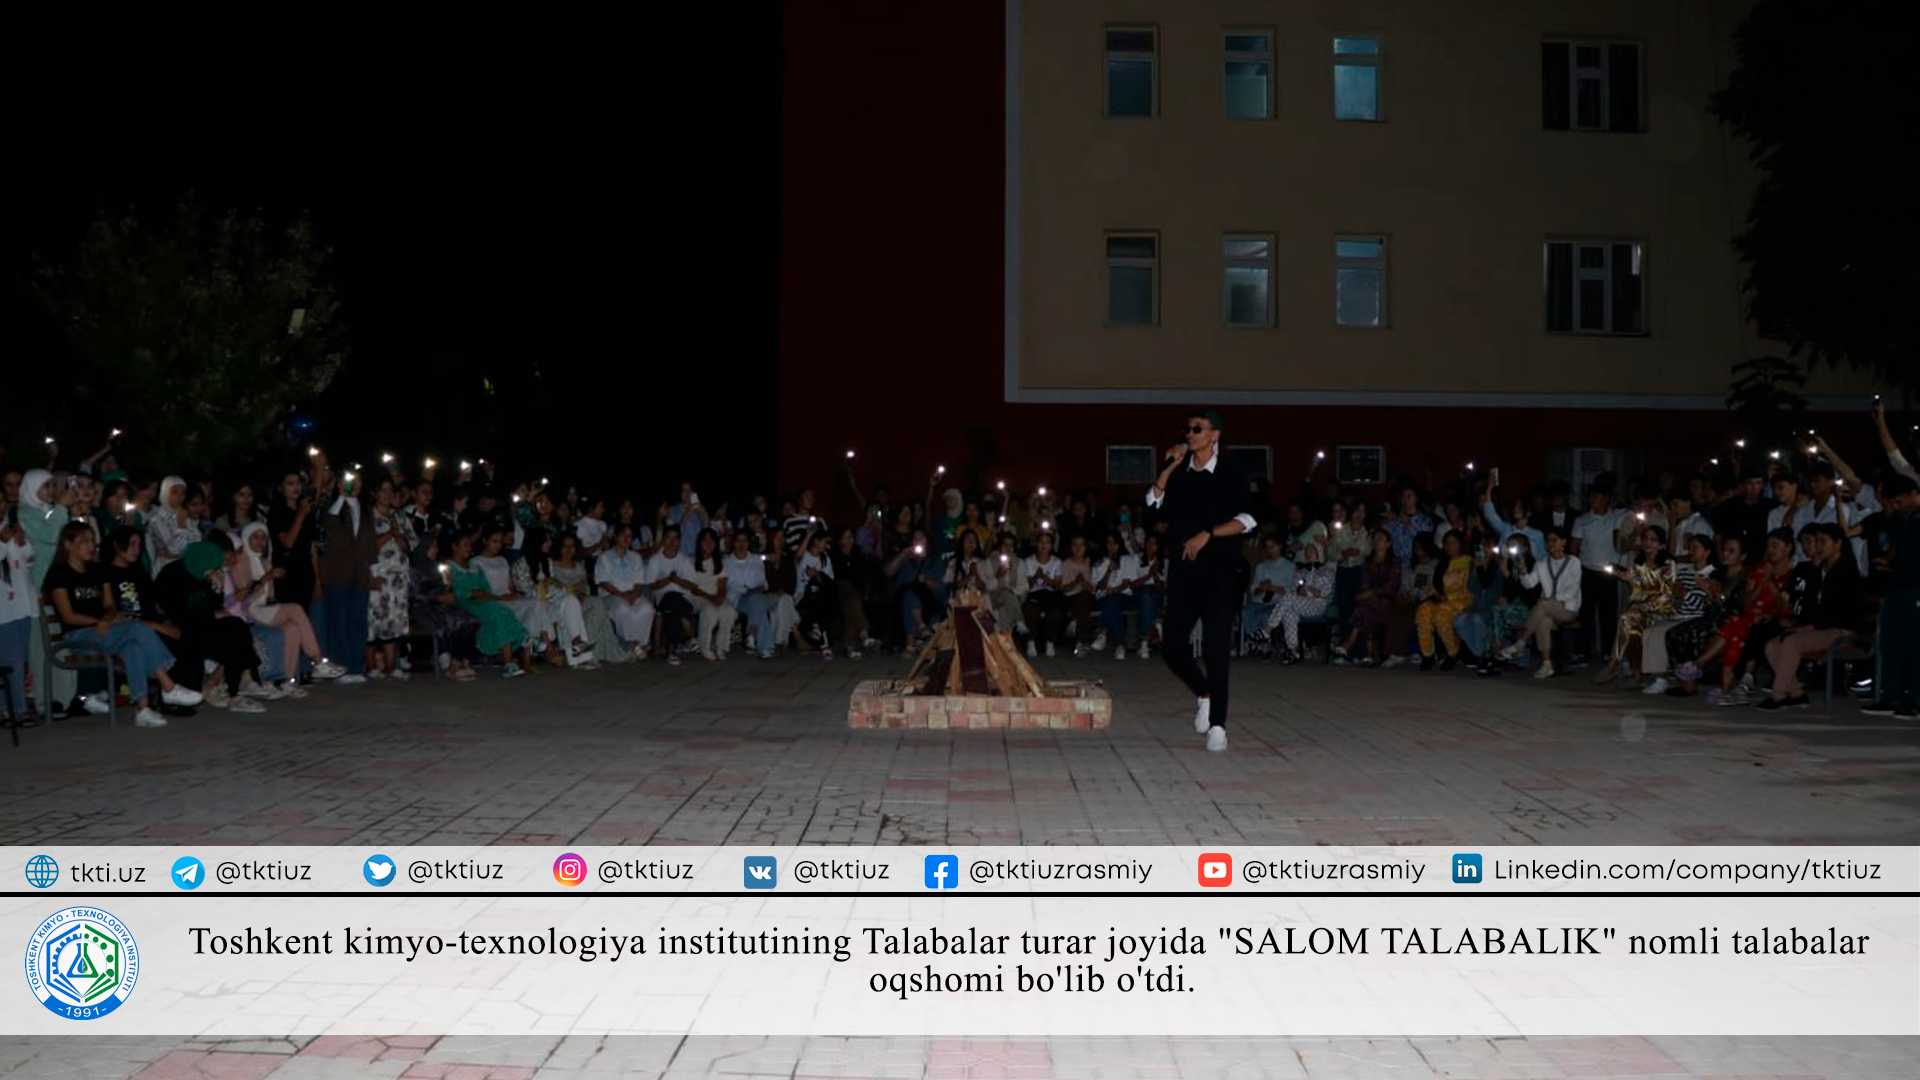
pixel 1205 500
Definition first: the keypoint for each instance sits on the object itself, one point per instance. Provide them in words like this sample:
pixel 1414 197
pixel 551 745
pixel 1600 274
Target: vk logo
pixel 943 872
pixel 761 871
pixel 1466 868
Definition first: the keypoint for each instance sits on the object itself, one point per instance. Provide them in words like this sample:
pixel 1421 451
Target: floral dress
pixel 1654 593
pixel 387 614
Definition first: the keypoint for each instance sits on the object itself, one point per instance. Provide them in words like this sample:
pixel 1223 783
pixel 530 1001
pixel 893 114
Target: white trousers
pixel 632 621
pixel 716 626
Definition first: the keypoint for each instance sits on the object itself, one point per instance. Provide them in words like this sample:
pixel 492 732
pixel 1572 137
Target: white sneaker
pixel 1050 652
pixel 1144 654
pixel 180 695
pixel 1201 723
pixel 442 662
pixel 1216 739
pixel 674 658
pixel 1079 650
pixel 1032 652
pixel 97 704
pixel 376 674
pixel 148 718
pixel 215 696
pixel 292 690
pixel 1393 661
pixel 639 652
pixel 327 669
pixel 1544 671
pixel 1100 642
pixel 351 679
pixel 765 654
pixel 269 692
pixel 399 675
pixel 1120 652
pixel 1657 686
pixel 512 670
pixel 853 654
pixel 243 703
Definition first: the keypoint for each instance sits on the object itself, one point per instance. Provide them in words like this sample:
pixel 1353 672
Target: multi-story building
pixel 1424 231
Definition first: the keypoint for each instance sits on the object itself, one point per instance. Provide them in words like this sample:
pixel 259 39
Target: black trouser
pixel 225 641
pixel 673 610
pixel 1046 615
pixel 1204 591
pixel 1600 599
pixel 815 609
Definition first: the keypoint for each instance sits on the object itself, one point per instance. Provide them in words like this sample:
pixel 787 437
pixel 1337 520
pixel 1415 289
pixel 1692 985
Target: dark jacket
pixel 1196 501
pixel 350 553
pixel 1827 599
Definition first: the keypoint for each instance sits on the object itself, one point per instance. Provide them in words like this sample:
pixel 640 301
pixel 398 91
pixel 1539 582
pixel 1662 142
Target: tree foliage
pixel 198 330
pixel 1827 95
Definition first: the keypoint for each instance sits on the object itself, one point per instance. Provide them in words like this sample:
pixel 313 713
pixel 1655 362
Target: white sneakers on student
pixel 1201 722
pixel 243 703
pixel 1100 642
pixel 1033 651
pixel 327 669
pixel 148 718
pixel 181 696
pixel 1216 739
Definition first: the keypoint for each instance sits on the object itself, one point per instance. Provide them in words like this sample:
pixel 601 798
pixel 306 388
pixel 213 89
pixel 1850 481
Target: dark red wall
pixel 891 286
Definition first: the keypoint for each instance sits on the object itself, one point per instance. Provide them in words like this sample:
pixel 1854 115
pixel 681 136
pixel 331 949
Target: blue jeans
pixel 343 633
pixel 752 607
pixel 1254 615
pixel 137 646
pixel 14 638
pixel 1150 603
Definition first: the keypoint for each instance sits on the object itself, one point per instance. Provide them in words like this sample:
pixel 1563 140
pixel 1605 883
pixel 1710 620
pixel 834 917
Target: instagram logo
pixel 570 869
pixel 1216 869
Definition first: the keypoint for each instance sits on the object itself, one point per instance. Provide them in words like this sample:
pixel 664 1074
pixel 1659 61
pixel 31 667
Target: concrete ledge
pixel 1068 706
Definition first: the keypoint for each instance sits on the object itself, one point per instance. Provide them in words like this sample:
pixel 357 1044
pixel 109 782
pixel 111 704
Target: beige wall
pixel 1461 177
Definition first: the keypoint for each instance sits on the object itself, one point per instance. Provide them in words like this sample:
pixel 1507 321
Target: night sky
pixel 589 222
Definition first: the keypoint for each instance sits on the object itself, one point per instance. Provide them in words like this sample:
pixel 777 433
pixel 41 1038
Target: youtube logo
pixel 1216 869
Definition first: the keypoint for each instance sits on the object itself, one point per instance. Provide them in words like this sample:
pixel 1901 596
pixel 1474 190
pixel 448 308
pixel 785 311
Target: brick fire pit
pixel 891 703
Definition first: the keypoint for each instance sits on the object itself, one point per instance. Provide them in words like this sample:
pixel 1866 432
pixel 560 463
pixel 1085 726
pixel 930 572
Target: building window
pixel 1247 286
pixel 1591 85
pixel 1130 59
pixel 1596 287
pixel 1360 464
pixel 1254 462
pixel 1130 465
pixel 1360 280
pixel 1249 75
pixel 1133 279
pixel 1356 78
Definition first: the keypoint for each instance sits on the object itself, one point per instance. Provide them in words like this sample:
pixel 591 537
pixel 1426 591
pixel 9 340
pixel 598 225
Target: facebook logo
pixel 943 871
pixel 762 871
pixel 1466 868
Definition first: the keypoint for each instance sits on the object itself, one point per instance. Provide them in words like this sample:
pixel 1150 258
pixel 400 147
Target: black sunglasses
pixel 1195 429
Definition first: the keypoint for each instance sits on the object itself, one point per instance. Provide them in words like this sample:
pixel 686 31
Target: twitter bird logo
pixel 378 870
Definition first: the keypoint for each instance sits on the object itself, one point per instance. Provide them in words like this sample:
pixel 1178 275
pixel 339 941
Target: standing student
pixel 1204 498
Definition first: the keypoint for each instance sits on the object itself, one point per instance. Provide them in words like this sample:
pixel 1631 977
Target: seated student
pixel 1754 604
pixel 1558 578
pixel 434 613
pixel 1450 597
pixel 83 602
pixel 1373 604
pixel 1114 579
pixel 670 576
pixel 1308 599
pixel 817 598
pixel 782 571
pixel 717 616
pixel 1418 581
pixel 572 573
pixel 1824 605
pixel 259 580
pixel 1272 576
pixel 746 575
pixel 196 594
pixel 621 575
pixel 1499 611
pixel 501 589
pixel 561 617
pixel 1695 593
pixel 853 583
pixel 1006 581
pixel 1076 584
pixel 500 632
pixel 1152 591
pixel 1654 590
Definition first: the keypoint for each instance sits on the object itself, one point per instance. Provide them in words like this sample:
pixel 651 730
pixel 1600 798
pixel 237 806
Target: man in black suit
pixel 1207 504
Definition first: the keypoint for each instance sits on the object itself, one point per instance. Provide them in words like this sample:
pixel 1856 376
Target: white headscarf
pixel 30 486
pixel 256 562
pixel 955 502
pixel 167 485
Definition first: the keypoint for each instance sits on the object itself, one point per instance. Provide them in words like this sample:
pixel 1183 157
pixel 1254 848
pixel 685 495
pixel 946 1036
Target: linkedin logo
pixel 1466 868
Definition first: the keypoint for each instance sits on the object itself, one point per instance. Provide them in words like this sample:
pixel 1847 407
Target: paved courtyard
pixel 753 752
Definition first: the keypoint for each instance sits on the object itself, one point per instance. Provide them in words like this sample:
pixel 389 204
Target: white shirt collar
pixel 1194 462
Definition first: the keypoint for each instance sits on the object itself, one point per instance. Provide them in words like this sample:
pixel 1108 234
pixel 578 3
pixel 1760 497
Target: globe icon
pixel 42 871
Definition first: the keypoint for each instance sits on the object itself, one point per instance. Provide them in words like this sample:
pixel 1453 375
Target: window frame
pixel 1110 261
pixel 1380 474
pixel 1377 60
pixel 1231 56
pixel 1107 463
pixel 1107 56
pixel 1229 262
pixel 1352 262
pixel 1266 452
pixel 1604 275
pixel 1573 44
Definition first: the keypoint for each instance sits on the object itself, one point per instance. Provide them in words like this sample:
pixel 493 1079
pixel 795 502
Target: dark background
pixel 584 216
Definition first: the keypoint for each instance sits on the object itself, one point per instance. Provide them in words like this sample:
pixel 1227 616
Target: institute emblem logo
pixel 82 963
